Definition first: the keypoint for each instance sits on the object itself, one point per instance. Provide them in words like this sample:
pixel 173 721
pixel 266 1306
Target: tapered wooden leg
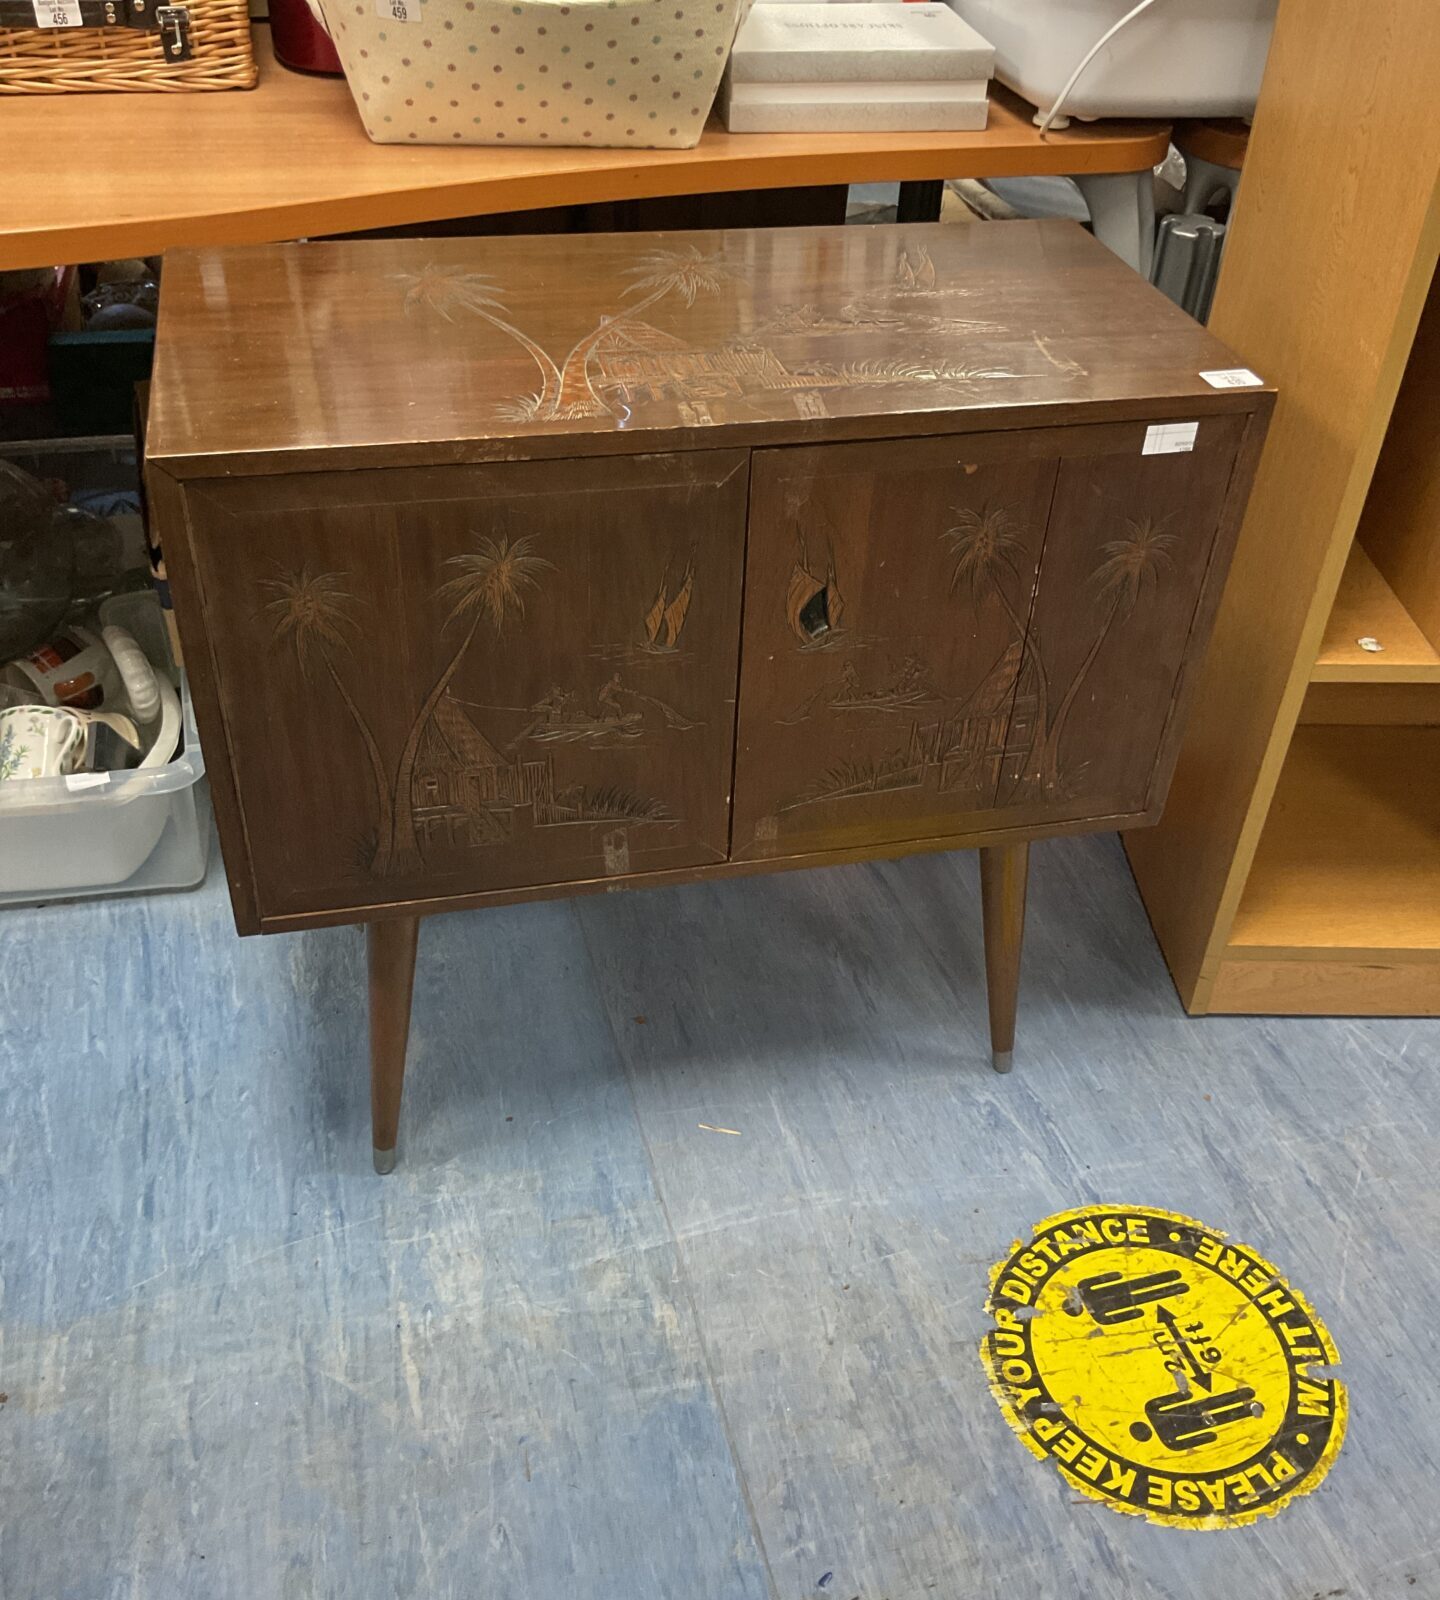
pixel 392 980
pixel 1003 871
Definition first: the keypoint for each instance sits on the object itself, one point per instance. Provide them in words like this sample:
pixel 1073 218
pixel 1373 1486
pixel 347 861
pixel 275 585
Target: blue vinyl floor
pixel 580 1347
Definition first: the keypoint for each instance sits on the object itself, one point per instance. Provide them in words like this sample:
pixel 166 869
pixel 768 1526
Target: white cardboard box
pixel 915 107
pixel 827 94
pixel 869 41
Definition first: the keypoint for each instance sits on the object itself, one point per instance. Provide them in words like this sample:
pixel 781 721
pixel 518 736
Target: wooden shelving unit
pixel 1297 868
pixel 1343 896
pixel 1341 905
pixel 1367 608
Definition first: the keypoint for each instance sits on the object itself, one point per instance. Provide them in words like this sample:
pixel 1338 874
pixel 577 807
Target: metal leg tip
pixel 384 1161
pixel 1002 1060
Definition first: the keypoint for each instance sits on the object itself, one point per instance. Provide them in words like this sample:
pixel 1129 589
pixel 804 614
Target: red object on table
pixel 28 316
pixel 300 42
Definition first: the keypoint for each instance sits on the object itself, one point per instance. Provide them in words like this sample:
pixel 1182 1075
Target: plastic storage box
pixel 1181 58
pixel 135 831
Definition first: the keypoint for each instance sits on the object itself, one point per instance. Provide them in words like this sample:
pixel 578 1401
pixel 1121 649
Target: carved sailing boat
pixel 920 277
pixel 665 620
pixel 655 617
pixel 813 605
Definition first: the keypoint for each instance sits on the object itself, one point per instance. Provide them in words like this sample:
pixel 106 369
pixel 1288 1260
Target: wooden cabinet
pixel 516 567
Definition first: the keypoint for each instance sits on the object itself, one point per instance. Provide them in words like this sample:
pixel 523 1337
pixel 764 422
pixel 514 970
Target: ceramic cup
pixel 74 669
pixel 39 742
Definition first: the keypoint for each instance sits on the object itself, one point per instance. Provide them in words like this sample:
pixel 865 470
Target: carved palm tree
pixel 446 290
pixel 664 272
pixel 987 546
pixel 312 613
pixel 490 587
pixel 1131 568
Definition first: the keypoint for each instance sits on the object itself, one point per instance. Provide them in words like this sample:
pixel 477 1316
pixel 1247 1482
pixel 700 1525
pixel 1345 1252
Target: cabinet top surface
pixel 278 358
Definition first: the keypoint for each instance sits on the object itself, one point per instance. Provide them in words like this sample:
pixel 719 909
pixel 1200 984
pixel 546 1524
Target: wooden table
pixel 120 174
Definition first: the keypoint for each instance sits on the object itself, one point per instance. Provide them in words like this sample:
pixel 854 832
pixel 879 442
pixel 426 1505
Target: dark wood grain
pixel 168 514
pixel 430 351
pixel 1222 548
pixel 392 983
pixel 678 876
pixel 443 680
pixel 1127 549
pixel 1004 870
pixel 510 569
pixel 881 659
pixel 967 671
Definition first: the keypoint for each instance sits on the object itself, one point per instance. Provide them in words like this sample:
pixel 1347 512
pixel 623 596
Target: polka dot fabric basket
pixel 639 73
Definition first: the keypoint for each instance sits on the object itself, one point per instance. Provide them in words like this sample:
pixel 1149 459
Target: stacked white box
pixel 871 66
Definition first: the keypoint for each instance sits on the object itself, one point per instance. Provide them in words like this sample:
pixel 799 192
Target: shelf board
pixel 1279 987
pixel 1367 607
pixel 1372 703
pixel 289 159
pixel 1348 868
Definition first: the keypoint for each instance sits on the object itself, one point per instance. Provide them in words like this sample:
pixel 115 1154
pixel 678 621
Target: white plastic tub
pixel 1181 58
pixel 137 831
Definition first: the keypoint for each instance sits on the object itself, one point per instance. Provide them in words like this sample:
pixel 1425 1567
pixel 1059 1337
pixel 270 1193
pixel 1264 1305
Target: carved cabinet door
pixel 443 681
pixel 950 635
pixel 888 588
pixel 1128 547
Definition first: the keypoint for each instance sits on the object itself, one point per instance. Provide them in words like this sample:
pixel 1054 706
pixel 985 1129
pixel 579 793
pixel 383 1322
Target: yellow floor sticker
pixel 1165 1371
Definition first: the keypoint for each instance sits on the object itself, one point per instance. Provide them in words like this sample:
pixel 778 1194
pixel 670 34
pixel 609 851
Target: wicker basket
pixel 143 46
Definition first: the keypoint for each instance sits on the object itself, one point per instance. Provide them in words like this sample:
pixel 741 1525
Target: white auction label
pixel 75 781
pixel 1169 438
pixel 57 13
pixel 398 10
pixel 1234 378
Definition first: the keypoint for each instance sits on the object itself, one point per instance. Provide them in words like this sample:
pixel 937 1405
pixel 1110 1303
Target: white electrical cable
pixel 1095 50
